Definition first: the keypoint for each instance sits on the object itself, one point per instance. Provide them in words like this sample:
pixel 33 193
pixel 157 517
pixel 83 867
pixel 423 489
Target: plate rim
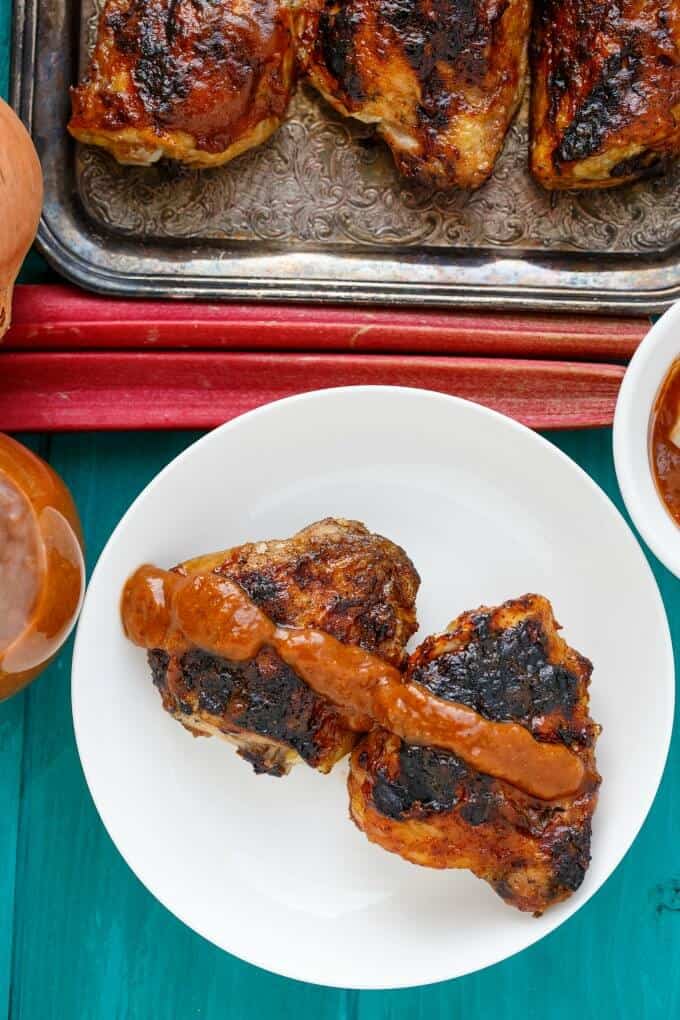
pixel 662 746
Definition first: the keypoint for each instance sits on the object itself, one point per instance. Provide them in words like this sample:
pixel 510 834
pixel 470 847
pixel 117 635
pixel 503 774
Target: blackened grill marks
pixel 260 762
pixel 427 779
pixel 558 83
pixel 337 28
pixel 172 26
pixel 571 856
pixel 429 32
pixel 442 31
pixel 438 33
pixel 576 50
pixel 213 48
pixel 431 781
pixel 433 112
pixel 607 106
pixel 212 678
pixel 264 590
pixel 119 23
pixel 170 60
pixel 377 624
pixel 262 695
pixel 504 675
pixel 645 164
pixel 369 617
pixel 148 30
pixel 158 661
pixel 161 81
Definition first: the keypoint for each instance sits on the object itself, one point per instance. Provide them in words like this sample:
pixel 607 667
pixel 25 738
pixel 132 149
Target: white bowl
pixel 641 383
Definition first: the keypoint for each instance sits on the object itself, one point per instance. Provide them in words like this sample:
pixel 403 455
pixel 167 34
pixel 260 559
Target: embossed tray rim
pixel 45 57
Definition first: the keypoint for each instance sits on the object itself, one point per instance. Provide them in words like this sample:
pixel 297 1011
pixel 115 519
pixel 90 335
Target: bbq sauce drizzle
pixel 171 611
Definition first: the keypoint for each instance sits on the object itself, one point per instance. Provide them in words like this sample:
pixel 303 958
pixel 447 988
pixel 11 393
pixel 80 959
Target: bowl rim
pixel 641 384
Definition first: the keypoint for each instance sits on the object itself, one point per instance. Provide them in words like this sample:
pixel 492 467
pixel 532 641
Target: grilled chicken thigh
pixel 335 576
pixel 199 81
pixel 441 79
pixel 606 91
pixel 508 663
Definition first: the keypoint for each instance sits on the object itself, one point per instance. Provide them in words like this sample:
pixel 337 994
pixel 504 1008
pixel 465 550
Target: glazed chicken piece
pixel 190 80
pixel 606 91
pixel 429 806
pixel 442 81
pixel 334 576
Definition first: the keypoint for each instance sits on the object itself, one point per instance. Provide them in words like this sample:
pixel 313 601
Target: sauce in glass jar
pixel 42 571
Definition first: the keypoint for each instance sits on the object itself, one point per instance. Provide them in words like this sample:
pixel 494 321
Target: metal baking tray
pixel 319 214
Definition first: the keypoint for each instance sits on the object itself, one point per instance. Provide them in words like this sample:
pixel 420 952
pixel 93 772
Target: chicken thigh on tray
pixel 192 81
pixel 605 91
pixel 441 79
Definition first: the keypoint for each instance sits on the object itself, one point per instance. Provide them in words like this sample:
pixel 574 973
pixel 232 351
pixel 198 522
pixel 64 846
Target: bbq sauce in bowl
pixel 664 441
pixel 42 575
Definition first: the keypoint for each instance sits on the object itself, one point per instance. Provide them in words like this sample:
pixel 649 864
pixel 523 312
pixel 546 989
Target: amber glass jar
pixel 42 572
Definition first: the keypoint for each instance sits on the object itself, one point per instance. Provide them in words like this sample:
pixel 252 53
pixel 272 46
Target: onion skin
pixel 21 197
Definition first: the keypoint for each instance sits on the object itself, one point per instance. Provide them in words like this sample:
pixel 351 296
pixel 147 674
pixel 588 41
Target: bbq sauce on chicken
pixel 664 442
pixel 165 610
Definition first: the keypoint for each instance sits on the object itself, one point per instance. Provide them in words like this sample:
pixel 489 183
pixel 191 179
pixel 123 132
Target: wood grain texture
pixel 60 391
pixel 11 749
pixel 62 317
pixel 12 723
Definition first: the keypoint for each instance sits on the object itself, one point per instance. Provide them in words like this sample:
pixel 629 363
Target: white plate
pixel 272 870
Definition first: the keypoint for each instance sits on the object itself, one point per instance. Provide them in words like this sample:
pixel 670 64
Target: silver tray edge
pixel 122 270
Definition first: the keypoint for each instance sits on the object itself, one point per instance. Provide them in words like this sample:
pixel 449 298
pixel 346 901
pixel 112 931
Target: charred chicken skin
pixel 431 807
pixel 606 91
pixel 335 576
pixel 199 81
pixel 442 81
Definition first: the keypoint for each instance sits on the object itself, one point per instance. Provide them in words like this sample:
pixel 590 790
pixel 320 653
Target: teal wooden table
pixel 81 939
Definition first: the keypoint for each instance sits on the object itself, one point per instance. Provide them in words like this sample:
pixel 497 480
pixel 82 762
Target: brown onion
pixel 21 195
